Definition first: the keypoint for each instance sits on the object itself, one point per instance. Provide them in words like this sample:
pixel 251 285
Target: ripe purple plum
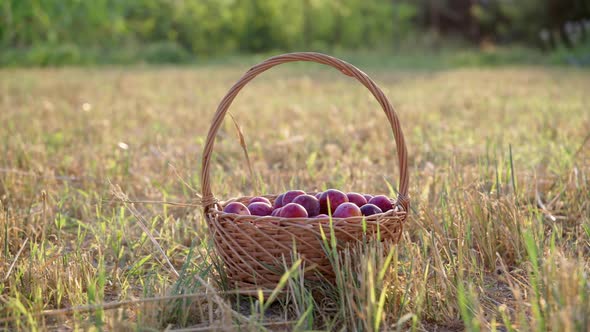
pixel 237 208
pixel 346 210
pixel 293 210
pixel 259 199
pixel 321 216
pixel 318 195
pixel 336 197
pixel 370 209
pixel 276 212
pixel 290 196
pixel 367 197
pixel 279 201
pixel 382 202
pixel 310 203
pixel 357 199
pixel 260 209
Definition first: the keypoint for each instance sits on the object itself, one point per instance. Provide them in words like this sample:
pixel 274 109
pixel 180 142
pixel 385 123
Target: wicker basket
pixel 255 249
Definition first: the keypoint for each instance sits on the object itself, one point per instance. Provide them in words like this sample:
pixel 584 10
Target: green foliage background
pixel 49 32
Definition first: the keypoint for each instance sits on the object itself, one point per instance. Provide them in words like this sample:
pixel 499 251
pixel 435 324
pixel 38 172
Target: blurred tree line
pixel 174 29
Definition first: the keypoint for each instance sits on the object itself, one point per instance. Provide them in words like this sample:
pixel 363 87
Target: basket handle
pixel 208 200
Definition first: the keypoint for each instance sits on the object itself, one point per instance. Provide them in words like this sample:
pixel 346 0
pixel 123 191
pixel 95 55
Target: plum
pixel 346 210
pixel 259 199
pixel 336 198
pixel 293 210
pixel 237 208
pixel 276 212
pixel 321 216
pixel 318 195
pixel 367 197
pixel 290 196
pixel 310 203
pixel 279 201
pixel 260 209
pixel 370 209
pixel 382 202
pixel 357 199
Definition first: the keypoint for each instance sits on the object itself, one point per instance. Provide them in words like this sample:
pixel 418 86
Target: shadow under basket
pixel 255 250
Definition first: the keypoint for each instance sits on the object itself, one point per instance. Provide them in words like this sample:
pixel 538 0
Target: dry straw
pixel 256 249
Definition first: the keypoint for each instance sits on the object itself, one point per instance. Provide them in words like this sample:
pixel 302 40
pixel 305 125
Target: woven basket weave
pixel 255 249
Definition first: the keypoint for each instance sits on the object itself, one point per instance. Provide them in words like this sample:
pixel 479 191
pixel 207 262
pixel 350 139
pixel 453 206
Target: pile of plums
pixel 298 204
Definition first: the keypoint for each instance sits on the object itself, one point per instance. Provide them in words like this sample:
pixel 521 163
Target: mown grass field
pixel 498 239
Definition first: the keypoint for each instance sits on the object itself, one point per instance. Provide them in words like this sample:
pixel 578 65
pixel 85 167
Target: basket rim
pixel 309 220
